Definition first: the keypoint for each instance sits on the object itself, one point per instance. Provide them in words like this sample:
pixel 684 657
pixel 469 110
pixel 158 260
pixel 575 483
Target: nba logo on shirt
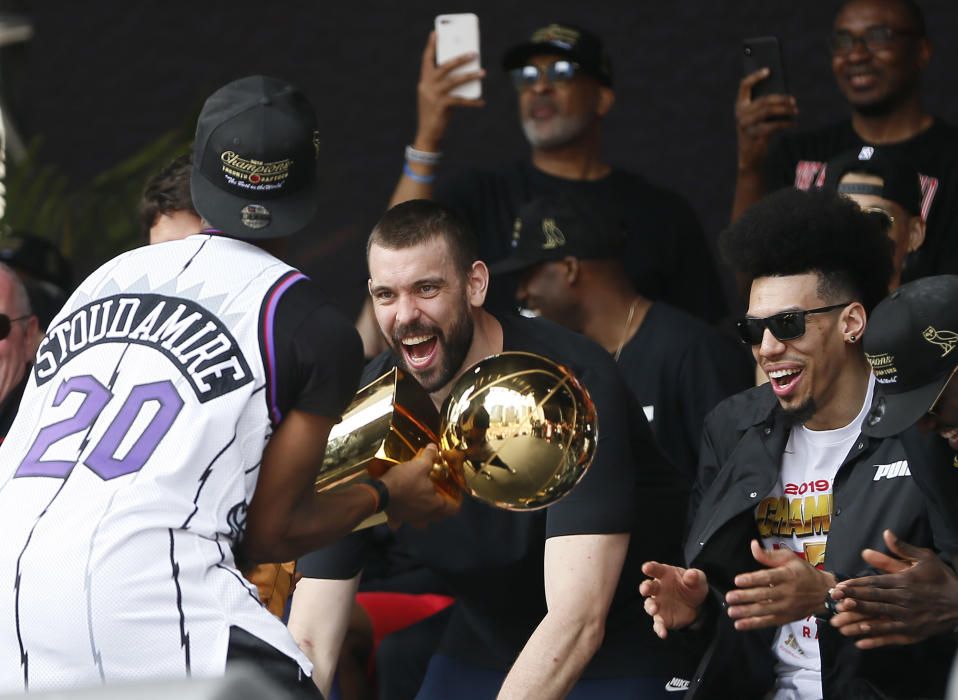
pixel 866 153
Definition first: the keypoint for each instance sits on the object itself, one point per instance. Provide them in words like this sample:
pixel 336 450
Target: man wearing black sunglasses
pixel 564 86
pixel 879 51
pixel 790 490
pixel 18 328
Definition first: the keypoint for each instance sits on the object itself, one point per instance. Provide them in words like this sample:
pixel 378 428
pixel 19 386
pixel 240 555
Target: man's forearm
pixel 417 178
pixel 571 632
pixel 749 188
pixel 318 520
pixel 553 658
pixel 407 189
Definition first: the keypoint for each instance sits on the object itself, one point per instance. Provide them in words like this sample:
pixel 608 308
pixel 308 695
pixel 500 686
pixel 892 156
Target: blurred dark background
pixel 101 81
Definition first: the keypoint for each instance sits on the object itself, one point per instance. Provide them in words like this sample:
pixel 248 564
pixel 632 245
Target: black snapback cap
pixel 912 346
pixel 255 159
pixel 553 227
pixel 900 183
pixel 36 257
pixel 574 43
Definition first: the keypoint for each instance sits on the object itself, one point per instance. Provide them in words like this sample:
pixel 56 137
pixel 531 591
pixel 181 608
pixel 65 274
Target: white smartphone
pixel 457 34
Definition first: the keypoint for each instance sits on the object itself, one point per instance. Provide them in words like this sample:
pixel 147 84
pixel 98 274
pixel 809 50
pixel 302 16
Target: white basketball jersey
pixel 126 475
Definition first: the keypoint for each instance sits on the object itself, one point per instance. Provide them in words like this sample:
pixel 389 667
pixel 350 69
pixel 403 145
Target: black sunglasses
pixel 874 39
pixel 887 219
pixel 6 324
pixel 556 72
pixel 787 325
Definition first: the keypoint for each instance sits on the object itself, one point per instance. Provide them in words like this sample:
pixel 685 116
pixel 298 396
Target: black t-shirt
pixel 666 254
pixel 492 560
pixel 679 368
pixel 799 159
pixel 318 356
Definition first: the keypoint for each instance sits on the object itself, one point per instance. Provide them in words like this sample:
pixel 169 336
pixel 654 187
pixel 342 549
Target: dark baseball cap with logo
pixel 900 183
pixel 36 257
pixel 912 346
pixel 255 159
pixel 574 43
pixel 557 226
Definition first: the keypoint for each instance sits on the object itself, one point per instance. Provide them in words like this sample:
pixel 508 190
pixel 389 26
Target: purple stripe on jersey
pixel 269 344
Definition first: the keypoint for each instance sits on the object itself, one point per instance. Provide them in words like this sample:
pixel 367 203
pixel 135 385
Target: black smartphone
pixel 764 52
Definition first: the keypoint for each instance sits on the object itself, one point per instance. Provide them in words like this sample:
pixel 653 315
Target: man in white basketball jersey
pixel 176 413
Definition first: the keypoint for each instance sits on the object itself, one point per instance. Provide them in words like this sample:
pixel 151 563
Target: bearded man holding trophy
pixel 546 598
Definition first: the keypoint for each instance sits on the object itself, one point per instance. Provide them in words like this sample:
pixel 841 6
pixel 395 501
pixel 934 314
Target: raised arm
pixel 756 121
pixel 435 105
pixel 581 575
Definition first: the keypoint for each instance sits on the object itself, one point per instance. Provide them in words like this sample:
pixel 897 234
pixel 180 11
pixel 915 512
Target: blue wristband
pixel 416 177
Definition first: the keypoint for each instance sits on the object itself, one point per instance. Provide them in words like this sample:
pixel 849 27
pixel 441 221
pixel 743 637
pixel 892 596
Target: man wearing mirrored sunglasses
pixel 790 491
pixel 18 326
pixel 563 80
pixel 879 51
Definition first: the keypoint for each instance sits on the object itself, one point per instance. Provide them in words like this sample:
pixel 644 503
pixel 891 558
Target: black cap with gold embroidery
pixel 553 227
pixel 574 43
pixel 912 346
pixel 254 159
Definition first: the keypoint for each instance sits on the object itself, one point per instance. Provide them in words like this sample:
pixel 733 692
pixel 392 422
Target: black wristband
pixel 382 491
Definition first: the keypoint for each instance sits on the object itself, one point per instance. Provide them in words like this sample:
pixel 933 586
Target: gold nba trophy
pixel 517 431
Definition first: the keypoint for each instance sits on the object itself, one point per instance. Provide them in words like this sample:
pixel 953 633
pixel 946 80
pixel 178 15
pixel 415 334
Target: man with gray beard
pixel 563 81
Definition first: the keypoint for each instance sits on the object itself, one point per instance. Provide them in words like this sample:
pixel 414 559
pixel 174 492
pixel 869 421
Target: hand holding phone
pixel 763 105
pixel 456 35
pixel 764 52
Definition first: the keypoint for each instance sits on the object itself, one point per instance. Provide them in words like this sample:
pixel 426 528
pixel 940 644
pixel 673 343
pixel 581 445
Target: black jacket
pixel 742 447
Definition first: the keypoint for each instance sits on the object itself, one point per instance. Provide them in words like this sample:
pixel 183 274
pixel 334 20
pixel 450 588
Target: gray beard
pixel 561 131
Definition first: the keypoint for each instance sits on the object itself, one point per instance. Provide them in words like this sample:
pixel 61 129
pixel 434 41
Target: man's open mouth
pixel 784 381
pixel 419 350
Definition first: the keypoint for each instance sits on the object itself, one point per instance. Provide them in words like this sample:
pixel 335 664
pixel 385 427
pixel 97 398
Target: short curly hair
pixel 167 191
pixel 793 232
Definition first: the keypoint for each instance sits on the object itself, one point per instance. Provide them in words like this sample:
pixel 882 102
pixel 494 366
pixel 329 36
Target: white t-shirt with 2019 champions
pixel 796 515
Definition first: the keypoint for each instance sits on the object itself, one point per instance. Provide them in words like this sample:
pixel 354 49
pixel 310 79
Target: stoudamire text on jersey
pixel 195 340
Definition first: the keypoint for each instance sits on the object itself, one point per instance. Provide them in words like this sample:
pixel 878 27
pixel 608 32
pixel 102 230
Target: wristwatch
pixel 382 491
pixel 831 607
